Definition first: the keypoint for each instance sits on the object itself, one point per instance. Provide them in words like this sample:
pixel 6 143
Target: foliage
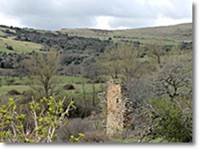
pixel 119 59
pixel 123 62
pixel 172 121
pixel 77 138
pixel 48 115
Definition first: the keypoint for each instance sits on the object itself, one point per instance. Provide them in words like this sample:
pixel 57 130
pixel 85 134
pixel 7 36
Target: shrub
pixel 68 87
pixel 13 92
pixel 74 127
pixel 173 121
pixel 47 116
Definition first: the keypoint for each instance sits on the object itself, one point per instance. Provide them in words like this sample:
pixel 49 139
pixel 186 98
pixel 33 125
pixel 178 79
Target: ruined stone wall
pixel 115 110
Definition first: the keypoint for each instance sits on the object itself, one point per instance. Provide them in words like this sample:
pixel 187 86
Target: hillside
pixel 173 33
pixel 168 34
pixel 82 46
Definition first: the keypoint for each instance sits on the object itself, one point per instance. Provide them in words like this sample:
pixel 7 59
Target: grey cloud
pixel 130 22
pixel 54 14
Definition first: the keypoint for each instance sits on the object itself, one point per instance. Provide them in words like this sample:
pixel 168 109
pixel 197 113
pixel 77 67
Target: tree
pixel 109 61
pixel 123 62
pixel 156 51
pixel 119 61
pixel 42 70
pixel 173 80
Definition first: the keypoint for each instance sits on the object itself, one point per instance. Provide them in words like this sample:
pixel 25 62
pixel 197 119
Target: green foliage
pixel 172 121
pixel 11 123
pixel 118 61
pixel 48 115
pixel 76 139
pixel 123 62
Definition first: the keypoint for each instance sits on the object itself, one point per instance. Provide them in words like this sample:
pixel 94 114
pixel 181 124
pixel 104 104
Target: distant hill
pixel 167 34
pixel 173 33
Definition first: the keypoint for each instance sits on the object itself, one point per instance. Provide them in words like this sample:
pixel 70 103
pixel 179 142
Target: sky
pixel 100 14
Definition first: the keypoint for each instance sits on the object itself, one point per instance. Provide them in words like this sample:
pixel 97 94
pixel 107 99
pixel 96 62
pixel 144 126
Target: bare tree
pixel 42 70
pixel 156 51
pixel 174 79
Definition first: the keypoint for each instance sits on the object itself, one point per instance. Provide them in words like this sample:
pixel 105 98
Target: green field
pixel 80 83
pixel 6 88
pixel 18 46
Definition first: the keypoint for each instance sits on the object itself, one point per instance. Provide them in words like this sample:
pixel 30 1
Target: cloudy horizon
pixel 99 14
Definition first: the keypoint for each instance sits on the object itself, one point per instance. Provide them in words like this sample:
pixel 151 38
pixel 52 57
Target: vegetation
pixel 46 116
pixel 172 121
pixel 42 70
pixel 53 84
pixel 17 46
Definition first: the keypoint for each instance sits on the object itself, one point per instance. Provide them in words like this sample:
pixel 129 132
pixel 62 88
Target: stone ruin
pixel 115 110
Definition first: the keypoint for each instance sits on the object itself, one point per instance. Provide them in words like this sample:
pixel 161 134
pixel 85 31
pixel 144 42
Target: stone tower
pixel 115 110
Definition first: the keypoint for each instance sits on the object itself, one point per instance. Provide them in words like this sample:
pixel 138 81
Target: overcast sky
pixel 102 14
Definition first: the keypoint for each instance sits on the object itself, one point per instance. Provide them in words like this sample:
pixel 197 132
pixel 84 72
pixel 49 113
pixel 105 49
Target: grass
pixel 21 84
pixel 2 34
pixel 18 46
pixel 6 80
pixel 72 79
pixel 79 90
pixel 168 34
pixel 5 88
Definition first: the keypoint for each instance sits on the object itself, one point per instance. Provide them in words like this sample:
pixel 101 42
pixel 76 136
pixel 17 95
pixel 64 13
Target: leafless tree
pixel 42 70
pixel 174 79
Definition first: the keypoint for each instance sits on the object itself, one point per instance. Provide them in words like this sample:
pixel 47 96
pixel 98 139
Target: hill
pixel 81 46
pixel 174 33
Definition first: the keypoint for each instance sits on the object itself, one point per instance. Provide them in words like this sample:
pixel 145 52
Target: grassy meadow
pixel 18 46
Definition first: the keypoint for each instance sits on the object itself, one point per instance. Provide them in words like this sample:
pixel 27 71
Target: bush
pixel 9 47
pixel 92 127
pixel 74 127
pixel 13 92
pixel 68 87
pixel 171 120
pixel 47 116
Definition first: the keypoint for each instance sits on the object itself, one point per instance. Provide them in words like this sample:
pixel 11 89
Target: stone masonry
pixel 115 110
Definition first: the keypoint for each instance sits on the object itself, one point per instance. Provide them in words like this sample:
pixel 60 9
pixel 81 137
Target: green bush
pixel 172 120
pixel 47 115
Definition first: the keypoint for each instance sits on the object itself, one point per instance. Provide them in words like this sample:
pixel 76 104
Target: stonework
pixel 115 110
